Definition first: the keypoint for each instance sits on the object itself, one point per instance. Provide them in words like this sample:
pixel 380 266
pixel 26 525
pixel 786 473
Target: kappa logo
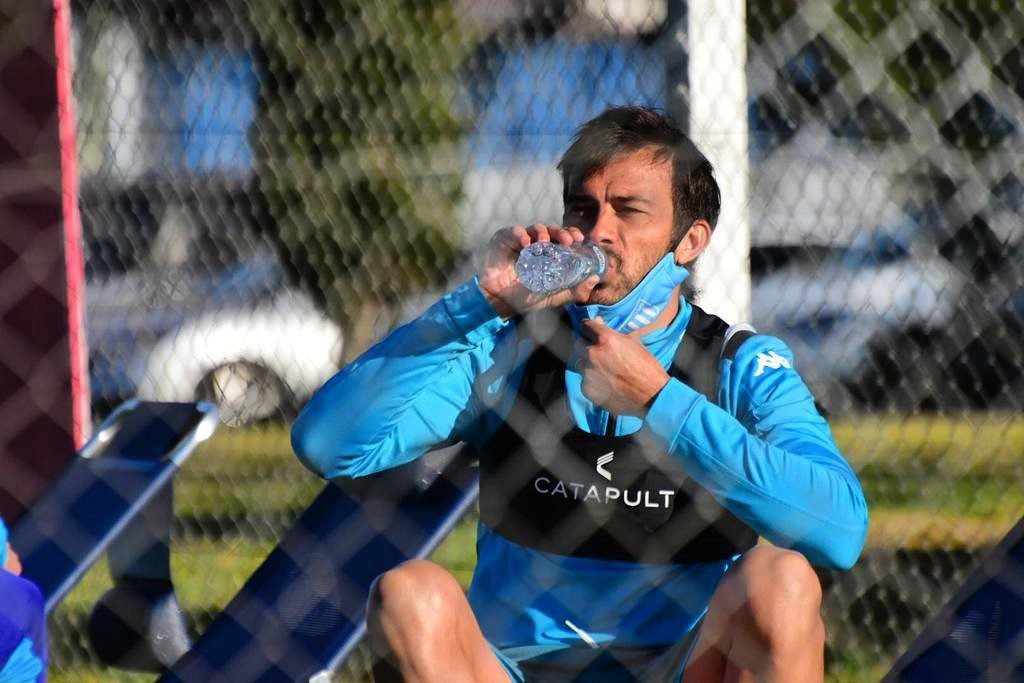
pixel 605 459
pixel 770 360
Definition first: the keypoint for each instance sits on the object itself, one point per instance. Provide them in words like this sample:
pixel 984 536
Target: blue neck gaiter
pixel 642 305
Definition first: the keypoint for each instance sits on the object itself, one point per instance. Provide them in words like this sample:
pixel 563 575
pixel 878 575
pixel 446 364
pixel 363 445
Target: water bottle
pixel 546 267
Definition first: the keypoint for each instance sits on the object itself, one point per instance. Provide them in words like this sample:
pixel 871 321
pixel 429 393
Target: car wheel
pixel 244 392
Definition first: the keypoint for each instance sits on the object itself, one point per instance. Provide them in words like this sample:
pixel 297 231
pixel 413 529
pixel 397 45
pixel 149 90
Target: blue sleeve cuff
pixel 471 312
pixel 671 407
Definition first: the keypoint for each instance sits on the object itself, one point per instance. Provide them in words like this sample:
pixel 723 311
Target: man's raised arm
pixel 411 392
pixel 779 470
pixel 414 391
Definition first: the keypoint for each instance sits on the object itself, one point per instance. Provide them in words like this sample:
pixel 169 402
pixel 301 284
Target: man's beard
pixel 604 293
pixel 625 283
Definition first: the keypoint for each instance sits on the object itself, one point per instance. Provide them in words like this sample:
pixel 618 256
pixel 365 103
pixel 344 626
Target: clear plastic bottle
pixel 546 267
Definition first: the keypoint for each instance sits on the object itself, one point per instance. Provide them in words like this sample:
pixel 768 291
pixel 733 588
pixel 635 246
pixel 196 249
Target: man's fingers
pixel 581 347
pixel 539 233
pixel 591 330
pixel 594 325
pixel 511 239
pixel 521 236
pixel 517 237
pixel 561 235
pixel 580 364
pixel 595 332
pixel 581 292
pixel 595 388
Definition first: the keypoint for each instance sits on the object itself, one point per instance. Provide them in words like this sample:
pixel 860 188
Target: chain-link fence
pixel 267 187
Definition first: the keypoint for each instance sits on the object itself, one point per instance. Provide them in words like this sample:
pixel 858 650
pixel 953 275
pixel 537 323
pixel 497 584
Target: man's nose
pixel 604 228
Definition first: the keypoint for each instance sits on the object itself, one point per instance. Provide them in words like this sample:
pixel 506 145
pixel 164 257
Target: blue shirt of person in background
pixel 22 621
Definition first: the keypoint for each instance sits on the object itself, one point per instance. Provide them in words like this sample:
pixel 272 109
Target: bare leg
pixel 764 623
pixel 420 627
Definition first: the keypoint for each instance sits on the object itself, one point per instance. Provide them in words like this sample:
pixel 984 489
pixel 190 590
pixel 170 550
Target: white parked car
pixel 836 313
pixel 857 272
pixel 239 337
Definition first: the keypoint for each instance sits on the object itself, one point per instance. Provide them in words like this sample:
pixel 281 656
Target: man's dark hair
pixel 623 130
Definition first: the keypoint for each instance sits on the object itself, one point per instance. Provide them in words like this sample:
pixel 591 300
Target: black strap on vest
pixel 705 345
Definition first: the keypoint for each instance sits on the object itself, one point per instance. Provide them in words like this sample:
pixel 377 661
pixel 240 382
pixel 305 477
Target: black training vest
pixel 605 497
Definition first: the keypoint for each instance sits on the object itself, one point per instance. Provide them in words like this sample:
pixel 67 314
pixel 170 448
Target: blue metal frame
pixel 979 634
pixel 303 610
pixel 103 490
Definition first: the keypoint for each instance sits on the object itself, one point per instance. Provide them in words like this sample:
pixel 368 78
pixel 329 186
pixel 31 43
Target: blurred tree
pixel 356 140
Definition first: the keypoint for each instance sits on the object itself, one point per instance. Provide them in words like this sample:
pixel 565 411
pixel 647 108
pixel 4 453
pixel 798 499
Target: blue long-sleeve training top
pixel 763 451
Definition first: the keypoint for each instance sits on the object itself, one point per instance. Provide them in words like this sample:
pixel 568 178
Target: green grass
pixel 955 444
pixel 247 478
pixel 458 552
pixel 931 483
pixel 92 674
pixel 854 668
pixel 206 573
pixel 937 482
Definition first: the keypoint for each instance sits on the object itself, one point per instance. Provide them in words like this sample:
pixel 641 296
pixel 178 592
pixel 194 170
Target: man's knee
pixel 416 594
pixel 777 599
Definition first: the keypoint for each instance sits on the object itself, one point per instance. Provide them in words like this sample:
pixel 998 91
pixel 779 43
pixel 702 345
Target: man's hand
pixel 619 374
pixel 13 562
pixel 498 278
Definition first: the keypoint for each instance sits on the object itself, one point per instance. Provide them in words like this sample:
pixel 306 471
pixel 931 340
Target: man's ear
pixel 694 242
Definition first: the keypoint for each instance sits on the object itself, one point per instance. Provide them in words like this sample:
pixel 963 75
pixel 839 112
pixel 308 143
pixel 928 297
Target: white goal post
pixel 716 110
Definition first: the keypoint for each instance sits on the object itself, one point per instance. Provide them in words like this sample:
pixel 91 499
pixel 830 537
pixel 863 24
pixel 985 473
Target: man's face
pixel 626 208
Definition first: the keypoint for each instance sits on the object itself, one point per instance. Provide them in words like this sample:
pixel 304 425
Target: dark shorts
pixel 558 664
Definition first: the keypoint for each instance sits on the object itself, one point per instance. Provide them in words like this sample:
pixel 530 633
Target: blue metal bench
pixel 303 611
pixel 979 634
pixel 115 496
